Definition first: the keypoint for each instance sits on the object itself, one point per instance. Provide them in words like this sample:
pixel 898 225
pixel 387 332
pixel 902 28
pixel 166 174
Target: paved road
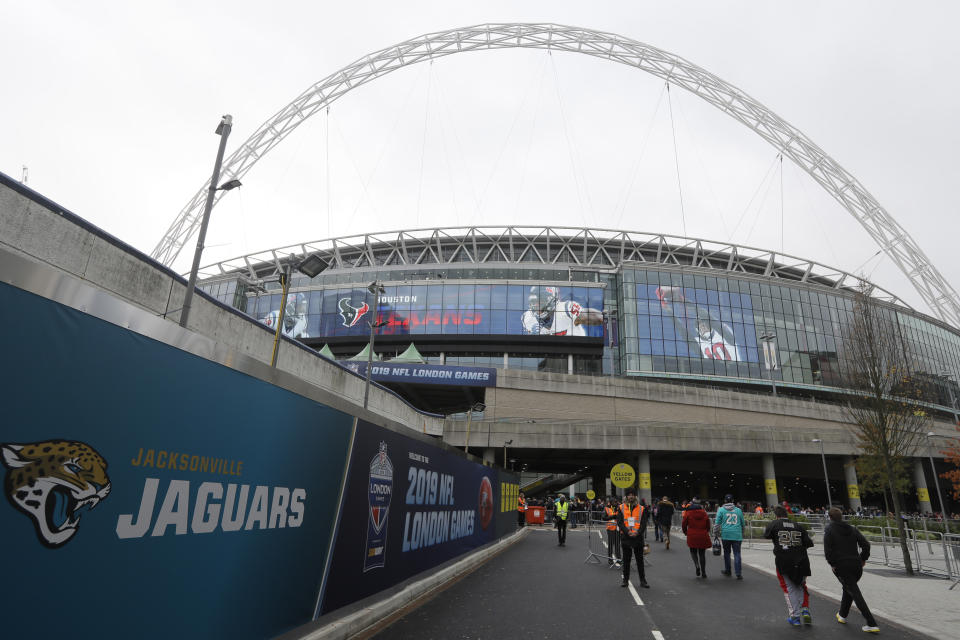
pixel 538 590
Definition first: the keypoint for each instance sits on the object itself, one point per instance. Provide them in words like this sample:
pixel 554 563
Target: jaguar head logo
pixel 53 483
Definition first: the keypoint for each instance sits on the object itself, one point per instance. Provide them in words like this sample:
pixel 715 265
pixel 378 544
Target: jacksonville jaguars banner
pixel 151 493
pixel 409 506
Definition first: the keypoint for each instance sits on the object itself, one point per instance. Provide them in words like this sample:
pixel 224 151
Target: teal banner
pixel 151 493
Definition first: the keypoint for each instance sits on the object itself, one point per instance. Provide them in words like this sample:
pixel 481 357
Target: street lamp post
pixel 478 406
pixel 826 479
pixel 285 284
pixel 505 443
pixel 770 356
pixel 376 289
pixel 310 267
pixel 936 483
pixel 223 130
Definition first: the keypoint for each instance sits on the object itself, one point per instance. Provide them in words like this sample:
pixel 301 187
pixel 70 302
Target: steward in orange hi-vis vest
pixel 611 517
pixel 632 517
pixel 521 510
pixel 631 521
pixel 613 536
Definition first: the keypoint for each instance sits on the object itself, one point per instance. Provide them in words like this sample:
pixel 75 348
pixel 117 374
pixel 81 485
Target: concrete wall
pixel 556 411
pixel 40 232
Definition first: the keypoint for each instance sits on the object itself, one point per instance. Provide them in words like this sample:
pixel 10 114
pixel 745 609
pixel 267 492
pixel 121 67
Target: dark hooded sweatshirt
pixel 844 544
pixel 790 544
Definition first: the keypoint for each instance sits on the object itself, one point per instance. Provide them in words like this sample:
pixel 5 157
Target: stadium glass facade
pixel 634 319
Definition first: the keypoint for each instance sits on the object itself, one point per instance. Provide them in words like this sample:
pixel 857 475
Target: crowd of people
pixel 845 548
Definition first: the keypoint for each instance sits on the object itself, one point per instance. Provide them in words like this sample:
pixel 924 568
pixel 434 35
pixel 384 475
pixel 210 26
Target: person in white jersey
pixel 546 314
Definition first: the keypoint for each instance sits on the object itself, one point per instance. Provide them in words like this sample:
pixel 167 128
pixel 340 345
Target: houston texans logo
pixel 351 315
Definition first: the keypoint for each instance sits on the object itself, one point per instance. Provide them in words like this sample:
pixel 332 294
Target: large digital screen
pixel 449 308
pixel 696 323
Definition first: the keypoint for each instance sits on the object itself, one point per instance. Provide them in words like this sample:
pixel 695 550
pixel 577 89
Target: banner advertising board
pixel 696 323
pixel 448 308
pixel 151 493
pixel 409 506
pixel 426 373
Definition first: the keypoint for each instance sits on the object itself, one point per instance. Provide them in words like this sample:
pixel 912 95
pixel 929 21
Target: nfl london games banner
pixel 151 493
pixel 409 506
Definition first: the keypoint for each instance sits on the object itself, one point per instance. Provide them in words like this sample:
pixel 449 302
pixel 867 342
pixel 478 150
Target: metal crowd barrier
pixel 931 552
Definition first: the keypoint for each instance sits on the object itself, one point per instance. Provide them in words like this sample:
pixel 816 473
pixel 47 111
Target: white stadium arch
pixel 885 231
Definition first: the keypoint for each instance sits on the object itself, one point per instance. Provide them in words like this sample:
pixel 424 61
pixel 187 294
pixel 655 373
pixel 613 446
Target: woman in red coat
pixel 696 525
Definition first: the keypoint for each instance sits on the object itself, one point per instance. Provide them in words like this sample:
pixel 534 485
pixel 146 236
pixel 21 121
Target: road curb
pixel 370 616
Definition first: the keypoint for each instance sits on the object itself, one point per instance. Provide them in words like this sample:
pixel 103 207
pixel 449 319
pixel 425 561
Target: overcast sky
pixel 112 107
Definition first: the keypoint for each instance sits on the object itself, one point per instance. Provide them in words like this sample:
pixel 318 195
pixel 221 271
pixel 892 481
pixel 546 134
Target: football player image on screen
pixel 547 315
pixel 294 317
pixel 714 339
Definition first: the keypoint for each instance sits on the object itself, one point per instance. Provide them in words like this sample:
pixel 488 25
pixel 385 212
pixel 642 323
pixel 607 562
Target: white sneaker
pixel 867 628
pixel 841 619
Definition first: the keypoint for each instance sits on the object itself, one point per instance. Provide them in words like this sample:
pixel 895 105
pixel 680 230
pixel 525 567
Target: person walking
pixel 847 551
pixel 790 544
pixel 657 532
pixel 665 510
pixel 613 538
pixel 632 523
pixel 696 525
pixel 521 510
pixel 730 527
pixel 562 511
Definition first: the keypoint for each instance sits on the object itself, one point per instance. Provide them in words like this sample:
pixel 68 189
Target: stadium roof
pixel 575 248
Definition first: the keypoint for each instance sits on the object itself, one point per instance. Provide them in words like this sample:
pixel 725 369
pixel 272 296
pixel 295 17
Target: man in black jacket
pixel 665 511
pixel 847 551
pixel 632 523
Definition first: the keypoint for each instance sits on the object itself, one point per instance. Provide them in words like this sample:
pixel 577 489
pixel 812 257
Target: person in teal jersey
pixel 729 527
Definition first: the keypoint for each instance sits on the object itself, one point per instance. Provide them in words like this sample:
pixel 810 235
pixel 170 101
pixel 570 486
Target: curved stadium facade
pixel 648 305
pixel 721 323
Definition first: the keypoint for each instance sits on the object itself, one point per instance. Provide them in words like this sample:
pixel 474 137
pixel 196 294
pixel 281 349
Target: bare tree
pixel 884 416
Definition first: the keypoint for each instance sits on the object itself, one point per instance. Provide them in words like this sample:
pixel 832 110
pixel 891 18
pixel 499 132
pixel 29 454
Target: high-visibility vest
pixel 521 504
pixel 631 518
pixel 611 524
pixel 562 510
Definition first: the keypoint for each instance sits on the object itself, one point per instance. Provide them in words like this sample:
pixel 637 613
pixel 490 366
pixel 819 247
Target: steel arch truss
pixel 575 248
pixel 885 231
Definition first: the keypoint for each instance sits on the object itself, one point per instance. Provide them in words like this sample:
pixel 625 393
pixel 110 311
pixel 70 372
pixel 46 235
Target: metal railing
pixel 932 553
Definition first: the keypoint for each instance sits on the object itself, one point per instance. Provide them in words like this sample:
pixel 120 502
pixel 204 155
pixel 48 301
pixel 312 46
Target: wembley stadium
pixel 599 304
pixel 582 301
pixel 688 356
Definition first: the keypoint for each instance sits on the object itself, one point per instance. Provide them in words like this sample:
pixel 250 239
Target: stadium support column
pixel 853 487
pixel 645 492
pixel 770 480
pixel 919 479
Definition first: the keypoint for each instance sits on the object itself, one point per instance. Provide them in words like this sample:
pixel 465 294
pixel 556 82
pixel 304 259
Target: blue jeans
pixel 727 546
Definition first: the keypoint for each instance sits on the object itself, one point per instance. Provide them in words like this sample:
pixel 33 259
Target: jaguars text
pixel 204 507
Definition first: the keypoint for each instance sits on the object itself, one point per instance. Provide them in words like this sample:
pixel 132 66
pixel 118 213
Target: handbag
pixel 716 546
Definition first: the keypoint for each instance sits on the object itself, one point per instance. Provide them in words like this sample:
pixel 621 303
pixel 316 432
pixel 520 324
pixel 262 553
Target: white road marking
pixel 657 634
pixel 636 596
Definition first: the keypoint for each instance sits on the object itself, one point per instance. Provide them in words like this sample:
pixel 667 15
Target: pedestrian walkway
pixel 536 589
pixel 923 603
